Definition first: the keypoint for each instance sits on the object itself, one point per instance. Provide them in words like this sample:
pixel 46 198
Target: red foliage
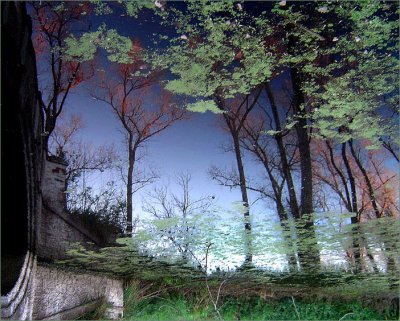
pixel 39 44
pixel 51 26
pixel 383 179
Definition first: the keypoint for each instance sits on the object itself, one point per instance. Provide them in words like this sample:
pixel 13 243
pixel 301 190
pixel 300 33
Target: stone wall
pixel 21 161
pixel 64 295
pixel 18 303
pixel 53 186
pixel 56 229
pixel 28 226
pixel 50 293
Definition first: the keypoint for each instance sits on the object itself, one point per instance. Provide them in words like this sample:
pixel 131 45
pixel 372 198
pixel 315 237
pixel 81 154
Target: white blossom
pixel 184 37
pixel 335 39
pixel 158 4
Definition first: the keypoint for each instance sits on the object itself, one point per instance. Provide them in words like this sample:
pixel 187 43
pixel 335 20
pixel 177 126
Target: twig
pixel 310 31
pixel 345 316
pixel 219 290
pixel 214 302
pixel 295 308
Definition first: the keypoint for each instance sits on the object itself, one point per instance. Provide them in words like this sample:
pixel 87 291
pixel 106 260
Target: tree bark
pixel 366 178
pixel 352 184
pixel 294 207
pixel 309 257
pixel 245 199
pixel 342 177
pixel 300 115
pixel 129 187
pixel 353 208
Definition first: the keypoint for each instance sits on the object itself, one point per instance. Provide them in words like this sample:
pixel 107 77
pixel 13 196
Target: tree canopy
pixel 344 51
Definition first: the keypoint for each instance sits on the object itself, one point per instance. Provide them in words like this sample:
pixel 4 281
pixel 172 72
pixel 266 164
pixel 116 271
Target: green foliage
pixel 345 53
pixel 214 52
pixel 151 255
pixel 125 261
pixel 133 7
pixel 258 309
pixel 204 105
pixel 84 48
pixel 335 236
pixel 351 70
pixel 101 7
pixel 177 306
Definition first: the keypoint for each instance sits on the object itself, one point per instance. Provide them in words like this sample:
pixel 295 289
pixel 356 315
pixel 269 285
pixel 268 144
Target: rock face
pixel 28 228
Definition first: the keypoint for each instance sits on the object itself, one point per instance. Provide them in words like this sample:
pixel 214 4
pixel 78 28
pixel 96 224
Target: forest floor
pixel 172 299
pixel 157 290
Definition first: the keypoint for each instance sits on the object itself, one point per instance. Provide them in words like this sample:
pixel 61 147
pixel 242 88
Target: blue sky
pixel 191 145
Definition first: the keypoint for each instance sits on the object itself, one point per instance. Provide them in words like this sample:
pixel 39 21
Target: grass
pixel 196 306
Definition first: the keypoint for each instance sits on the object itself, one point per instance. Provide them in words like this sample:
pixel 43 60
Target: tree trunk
pixel 294 207
pixel 352 184
pixel 245 199
pixel 353 209
pixel 356 237
pixel 300 115
pixel 342 177
pixel 129 188
pixel 234 130
pixel 366 178
pixel 282 214
pixel 308 250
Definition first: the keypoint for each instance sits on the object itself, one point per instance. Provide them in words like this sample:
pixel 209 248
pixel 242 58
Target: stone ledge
pixel 75 224
pixel 16 304
pixel 73 313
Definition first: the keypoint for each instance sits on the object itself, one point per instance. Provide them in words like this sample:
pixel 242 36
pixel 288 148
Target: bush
pixel 104 211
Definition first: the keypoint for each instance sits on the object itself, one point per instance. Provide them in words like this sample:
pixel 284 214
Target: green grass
pixel 177 306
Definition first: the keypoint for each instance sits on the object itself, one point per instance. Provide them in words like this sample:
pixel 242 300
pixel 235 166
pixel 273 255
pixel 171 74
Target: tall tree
pixel 344 177
pixel 347 48
pixel 53 22
pixel 235 113
pixel 285 165
pixel 127 95
pixel 216 69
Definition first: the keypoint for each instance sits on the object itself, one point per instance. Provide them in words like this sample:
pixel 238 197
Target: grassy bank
pixel 184 305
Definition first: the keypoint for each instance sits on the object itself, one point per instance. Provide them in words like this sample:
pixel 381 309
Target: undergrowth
pixel 183 305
